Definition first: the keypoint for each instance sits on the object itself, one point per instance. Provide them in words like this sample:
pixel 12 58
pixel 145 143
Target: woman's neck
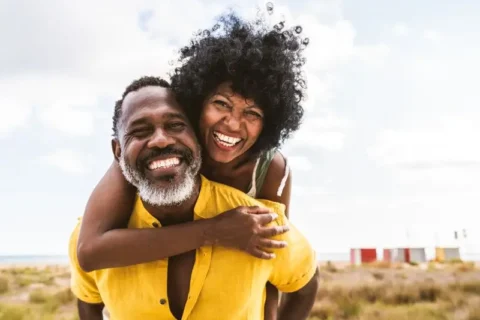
pixel 210 166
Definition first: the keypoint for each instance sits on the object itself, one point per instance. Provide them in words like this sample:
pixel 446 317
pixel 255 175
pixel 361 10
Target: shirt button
pixel 163 301
pixel 155 225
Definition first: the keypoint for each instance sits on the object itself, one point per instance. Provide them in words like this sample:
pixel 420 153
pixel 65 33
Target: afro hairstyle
pixel 262 63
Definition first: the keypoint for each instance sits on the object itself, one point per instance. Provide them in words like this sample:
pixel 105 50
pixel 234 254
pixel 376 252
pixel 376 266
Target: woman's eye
pixel 254 114
pixel 221 103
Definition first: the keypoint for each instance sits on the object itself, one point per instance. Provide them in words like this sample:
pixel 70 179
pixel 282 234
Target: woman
pixel 241 86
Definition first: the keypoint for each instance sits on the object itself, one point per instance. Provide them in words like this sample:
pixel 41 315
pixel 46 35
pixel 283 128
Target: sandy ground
pixel 24 280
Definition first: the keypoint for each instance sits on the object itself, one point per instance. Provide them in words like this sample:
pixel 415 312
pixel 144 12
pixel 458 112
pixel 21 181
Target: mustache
pixel 184 153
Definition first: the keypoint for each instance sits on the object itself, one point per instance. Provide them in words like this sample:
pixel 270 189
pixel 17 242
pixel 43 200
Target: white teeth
pixel 226 140
pixel 166 163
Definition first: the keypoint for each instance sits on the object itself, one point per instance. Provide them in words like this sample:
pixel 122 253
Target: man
pixel 159 154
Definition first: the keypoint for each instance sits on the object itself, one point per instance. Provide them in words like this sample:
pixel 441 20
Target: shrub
pixel 38 296
pixel 3 285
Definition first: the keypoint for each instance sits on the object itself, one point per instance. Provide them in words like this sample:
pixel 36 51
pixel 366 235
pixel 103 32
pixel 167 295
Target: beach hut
pixel 415 255
pixel 447 254
pixel 359 256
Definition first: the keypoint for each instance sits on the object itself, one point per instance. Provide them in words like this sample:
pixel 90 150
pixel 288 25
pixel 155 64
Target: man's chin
pixel 165 180
pixel 167 193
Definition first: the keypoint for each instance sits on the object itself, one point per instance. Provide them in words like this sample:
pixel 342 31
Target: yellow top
pixel 225 283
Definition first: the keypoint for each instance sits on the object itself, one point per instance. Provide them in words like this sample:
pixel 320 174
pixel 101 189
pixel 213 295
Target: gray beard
pixel 153 195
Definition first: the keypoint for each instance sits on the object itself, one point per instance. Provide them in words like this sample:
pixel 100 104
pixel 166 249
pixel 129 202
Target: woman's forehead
pixel 226 90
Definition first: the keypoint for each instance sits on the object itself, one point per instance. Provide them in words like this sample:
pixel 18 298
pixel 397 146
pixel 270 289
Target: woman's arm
pixel 102 245
pixel 273 182
pixel 277 171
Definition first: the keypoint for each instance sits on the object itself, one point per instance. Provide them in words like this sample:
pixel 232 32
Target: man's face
pixel 157 148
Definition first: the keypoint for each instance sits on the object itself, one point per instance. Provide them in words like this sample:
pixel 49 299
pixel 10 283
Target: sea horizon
pixel 63 259
pixel 45 259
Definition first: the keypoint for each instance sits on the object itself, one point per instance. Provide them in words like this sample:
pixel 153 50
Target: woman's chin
pixel 221 159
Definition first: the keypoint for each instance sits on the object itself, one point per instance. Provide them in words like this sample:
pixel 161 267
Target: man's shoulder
pixel 225 198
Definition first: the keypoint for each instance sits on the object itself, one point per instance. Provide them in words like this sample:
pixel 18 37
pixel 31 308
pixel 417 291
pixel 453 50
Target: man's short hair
pixel 145 81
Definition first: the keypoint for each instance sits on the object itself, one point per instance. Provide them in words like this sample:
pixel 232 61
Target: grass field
pixel 377 291
pixel 399 292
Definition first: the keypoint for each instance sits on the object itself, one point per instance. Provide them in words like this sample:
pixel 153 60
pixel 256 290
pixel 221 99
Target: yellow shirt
pixel 225 283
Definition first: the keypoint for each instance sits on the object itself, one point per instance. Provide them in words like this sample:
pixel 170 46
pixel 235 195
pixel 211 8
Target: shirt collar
pixel 204 196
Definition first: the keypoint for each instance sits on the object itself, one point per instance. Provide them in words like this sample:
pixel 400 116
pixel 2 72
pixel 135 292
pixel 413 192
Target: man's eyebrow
pixel 135 122
pixel 167 116
pixel 175 115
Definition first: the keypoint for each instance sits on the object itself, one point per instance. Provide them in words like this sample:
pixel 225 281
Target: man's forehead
pixel 150 97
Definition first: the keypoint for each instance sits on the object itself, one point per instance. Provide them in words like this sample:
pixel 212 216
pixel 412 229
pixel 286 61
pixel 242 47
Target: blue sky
pixel 387 155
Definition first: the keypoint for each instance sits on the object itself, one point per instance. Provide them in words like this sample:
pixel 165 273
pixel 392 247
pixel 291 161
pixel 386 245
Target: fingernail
pixel 274 216
pixel 272 256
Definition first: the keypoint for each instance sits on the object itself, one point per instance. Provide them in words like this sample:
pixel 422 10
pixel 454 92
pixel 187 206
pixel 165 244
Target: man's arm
pixel 297 305
pixel 89 311
pixel 295 271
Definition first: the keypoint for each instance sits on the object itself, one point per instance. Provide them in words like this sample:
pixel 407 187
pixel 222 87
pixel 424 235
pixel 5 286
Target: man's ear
pixel 117 151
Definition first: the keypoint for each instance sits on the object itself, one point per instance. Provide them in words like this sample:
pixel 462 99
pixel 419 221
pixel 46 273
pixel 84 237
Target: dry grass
pixel 474 313
pixel 14 312
pixel 37 294
pixel 424 292
pixel 410 312
pixel 378 275
pixel 373 292
pixel 379 265
pixel 4 286
pixel 466 267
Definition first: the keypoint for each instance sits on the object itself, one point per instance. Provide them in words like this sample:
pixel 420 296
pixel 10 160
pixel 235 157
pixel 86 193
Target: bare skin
pixel 104 242
pixel 89 311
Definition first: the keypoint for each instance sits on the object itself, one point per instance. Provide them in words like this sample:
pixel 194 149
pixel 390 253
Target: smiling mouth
pixel 164 163
pixel 225 140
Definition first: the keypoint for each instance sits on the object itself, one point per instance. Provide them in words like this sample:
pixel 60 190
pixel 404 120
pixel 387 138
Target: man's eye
pixel 139 132
pixel 177 125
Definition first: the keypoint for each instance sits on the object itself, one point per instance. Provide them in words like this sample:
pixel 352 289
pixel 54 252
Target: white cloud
pixel 300 163
pixel 327 131
pixel 68 119
pixel 14 115
pixel 75 64
pixel 440 156
pixel 69 161
pixel 332 45
pixel 432 35
pixel 374 55
pixel 400 29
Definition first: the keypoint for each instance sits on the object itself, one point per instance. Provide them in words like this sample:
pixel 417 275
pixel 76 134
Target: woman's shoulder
pixel 276 164
pixel 277 177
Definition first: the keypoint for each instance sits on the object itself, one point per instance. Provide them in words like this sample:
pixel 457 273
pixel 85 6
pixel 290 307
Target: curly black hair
pixel 263 64
pixel 144 81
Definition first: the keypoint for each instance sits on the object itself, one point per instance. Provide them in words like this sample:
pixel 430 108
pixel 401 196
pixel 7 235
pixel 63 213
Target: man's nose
pixel 160 139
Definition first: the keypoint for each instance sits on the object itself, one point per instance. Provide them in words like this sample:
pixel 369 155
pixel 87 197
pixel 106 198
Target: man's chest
pixel 221 280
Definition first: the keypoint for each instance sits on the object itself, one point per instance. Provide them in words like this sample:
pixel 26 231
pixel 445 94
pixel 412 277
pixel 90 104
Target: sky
pixel 386 156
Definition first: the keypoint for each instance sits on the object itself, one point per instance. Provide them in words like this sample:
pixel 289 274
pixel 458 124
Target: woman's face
pixel 229 124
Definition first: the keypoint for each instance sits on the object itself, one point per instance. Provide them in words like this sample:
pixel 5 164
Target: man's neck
pixel 176 214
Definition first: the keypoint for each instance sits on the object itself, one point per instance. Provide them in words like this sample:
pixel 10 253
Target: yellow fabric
pixel 225 283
